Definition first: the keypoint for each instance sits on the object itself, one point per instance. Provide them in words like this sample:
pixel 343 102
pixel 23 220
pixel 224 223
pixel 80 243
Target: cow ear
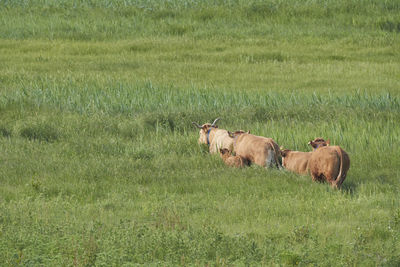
pixel 284 153
pixel 230 134
pixel 310 143
pixel 221 151
pixel 313 144
pixel 328 142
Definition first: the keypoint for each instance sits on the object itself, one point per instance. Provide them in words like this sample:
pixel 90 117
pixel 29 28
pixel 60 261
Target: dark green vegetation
pixel 99 162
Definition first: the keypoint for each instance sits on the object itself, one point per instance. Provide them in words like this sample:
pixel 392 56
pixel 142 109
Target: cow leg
pixel 338 183
pixel 260 161
pixel 317 177
pixel 314 176
pixel 329 178
pixel 213 148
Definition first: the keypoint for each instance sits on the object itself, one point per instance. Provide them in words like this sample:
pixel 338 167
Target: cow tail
pixel 276 155
pixel 340 178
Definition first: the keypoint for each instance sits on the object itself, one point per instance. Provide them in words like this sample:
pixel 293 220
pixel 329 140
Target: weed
pixel 389 25
pixel 5 132
pixel 290 258
pixel 301 234
pixel 40 132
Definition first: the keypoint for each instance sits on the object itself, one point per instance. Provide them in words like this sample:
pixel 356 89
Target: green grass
pixel 105 20
pixel 250 65
pixel 99 161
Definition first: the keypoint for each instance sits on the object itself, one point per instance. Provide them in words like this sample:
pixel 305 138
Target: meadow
pixel 99 161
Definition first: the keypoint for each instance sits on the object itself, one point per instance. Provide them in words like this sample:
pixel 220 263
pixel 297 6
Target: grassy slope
pixel 100 164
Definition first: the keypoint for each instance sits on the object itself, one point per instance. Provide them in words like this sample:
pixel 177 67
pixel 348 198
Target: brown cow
pixel 329 163
pixel 215 138
pixel 233 161
pixel 296 161
pixel 260 150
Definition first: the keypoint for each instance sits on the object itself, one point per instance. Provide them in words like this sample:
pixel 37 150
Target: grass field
pixel 99 161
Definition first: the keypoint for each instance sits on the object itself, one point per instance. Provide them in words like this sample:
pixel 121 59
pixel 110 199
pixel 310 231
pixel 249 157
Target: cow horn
pixel 195 124
pixel 213 124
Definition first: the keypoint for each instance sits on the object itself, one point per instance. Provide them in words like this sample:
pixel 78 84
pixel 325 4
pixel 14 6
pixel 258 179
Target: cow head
pixel 284 153
pixel 224 152
pixel 318 142
pixel 204 130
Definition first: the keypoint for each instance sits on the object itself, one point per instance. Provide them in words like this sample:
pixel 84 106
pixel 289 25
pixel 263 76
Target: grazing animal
pixel 296 161
pixel 328 163
pixel 260 150
pixel 233 161
pixel 212 136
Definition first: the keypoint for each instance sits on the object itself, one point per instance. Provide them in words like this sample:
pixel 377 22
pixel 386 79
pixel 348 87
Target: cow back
pixel 297 161
pixel 255 148
pixel 326 162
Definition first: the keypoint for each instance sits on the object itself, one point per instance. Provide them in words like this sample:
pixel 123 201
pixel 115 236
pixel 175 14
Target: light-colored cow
pixel 214 137
pixel 261 150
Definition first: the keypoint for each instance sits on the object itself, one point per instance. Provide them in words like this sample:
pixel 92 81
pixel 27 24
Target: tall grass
pixel 116 97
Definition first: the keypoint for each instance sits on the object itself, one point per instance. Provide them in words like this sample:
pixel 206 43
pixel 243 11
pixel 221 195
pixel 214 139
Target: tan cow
pixel 328 163
pixel 260 150
pixel 296 161
pixel 233 161
pixel 215 138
